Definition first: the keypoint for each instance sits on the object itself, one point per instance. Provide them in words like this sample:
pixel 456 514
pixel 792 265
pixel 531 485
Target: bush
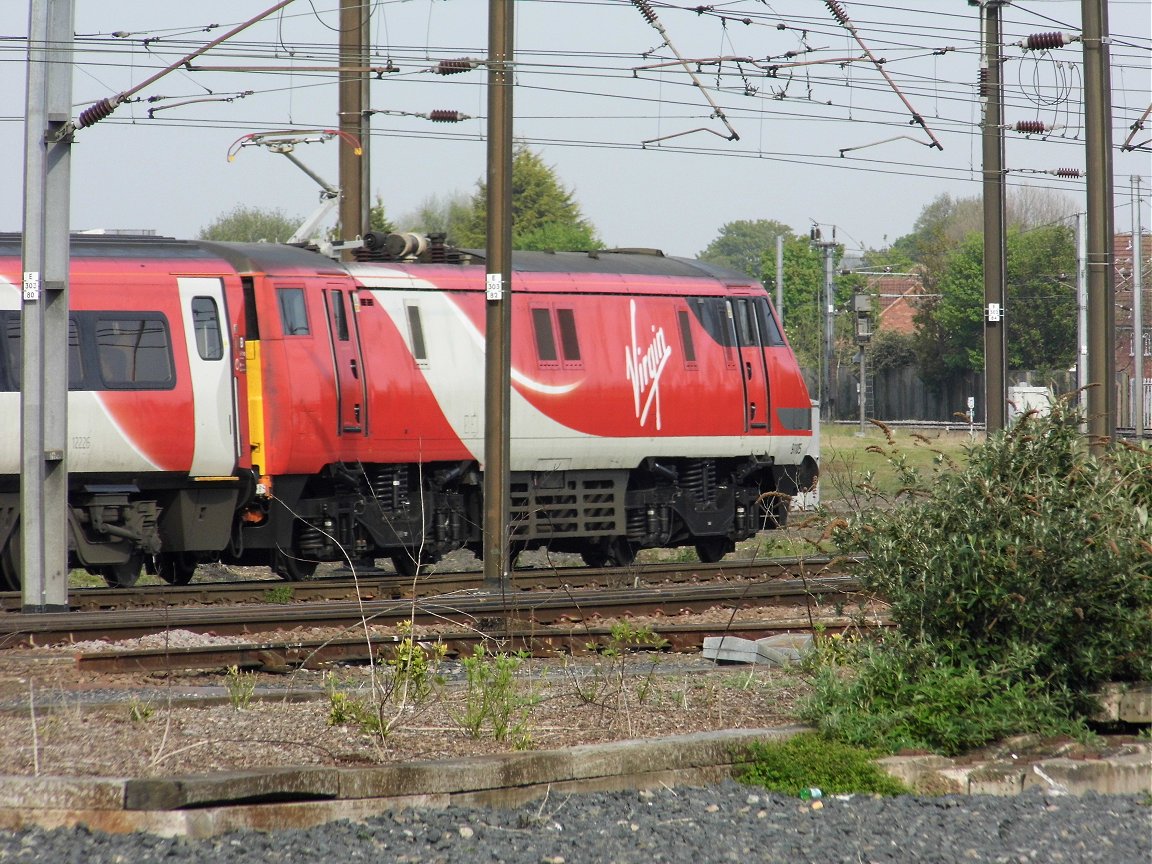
pixel 1019 584
pixel 809 760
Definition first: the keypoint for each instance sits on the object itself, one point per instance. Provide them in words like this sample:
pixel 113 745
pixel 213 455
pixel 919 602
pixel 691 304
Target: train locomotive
pixel 265 404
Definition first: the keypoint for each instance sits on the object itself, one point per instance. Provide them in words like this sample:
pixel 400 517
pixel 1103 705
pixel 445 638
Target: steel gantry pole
pixel 43 540
pixel 1099 255
pixel 498 313
pixel 995 269
pixel 353 99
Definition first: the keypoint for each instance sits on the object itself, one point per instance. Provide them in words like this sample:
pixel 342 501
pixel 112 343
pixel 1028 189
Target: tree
pixel 439 215
pixel 543 211
pixel 251 225
pixel 748 246
pixel 377 219
pixel 1040 304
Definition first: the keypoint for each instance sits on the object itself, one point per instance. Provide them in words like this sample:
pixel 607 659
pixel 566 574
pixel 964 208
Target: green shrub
pixel 810 760
pixel 1036 548
pixel 900 696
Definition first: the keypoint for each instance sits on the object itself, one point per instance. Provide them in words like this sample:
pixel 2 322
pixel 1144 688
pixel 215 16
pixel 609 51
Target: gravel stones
pixel 722 823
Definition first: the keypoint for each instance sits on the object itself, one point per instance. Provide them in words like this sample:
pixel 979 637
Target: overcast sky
pixel 587 97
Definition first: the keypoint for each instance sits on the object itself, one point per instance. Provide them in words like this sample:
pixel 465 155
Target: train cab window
pixel 545 338
pixel 293 313
pixel 416 332
pixel 769 330
pixel 687 346
pixel 134 352
pixel 206 327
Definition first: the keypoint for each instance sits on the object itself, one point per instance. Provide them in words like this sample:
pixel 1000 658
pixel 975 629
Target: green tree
pixel 1040 303
pixel 244 224
pixel 748 246
pixel 377 219
pixel 543 211
pixel 436 214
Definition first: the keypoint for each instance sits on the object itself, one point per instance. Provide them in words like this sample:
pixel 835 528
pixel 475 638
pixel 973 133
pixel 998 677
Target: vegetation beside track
pixel 1019 580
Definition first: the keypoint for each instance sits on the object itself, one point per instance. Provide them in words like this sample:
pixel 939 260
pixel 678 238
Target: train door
pixel 351 405
pixel 753 369
pixel 210 362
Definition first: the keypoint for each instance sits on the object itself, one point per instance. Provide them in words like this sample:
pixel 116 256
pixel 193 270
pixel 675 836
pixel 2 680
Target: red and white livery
pixel 258 403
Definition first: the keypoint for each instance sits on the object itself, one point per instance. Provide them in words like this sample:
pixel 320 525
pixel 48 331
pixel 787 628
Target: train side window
pixel 745 326
pixel 206 327
pixel 339 315
pixel 545 338
pixel 134 352
pixel 687 346
pixel 569 344
pixel 12 354
pixel 416 331
pixel 293 313
pixel 75 359
pixel 769 330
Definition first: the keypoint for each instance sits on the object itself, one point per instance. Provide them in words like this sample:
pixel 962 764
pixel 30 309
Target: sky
pixel 654 156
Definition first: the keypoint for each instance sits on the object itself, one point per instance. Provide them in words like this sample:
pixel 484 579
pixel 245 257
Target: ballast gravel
pixel 725 823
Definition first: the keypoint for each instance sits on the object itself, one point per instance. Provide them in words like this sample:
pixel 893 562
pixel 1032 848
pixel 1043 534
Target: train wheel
pixel 10 564
pixel 405 564
pixel 291 568
pixel 617 552
pixel 711 549
pixel 176 568
pixel 123 575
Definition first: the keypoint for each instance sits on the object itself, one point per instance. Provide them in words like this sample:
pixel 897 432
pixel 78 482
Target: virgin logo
pixel 645 368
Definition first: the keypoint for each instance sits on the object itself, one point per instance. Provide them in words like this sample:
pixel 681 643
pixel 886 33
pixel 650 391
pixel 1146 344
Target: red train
pixel 264 404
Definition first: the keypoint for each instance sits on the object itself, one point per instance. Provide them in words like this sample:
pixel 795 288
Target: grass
pixel 847 457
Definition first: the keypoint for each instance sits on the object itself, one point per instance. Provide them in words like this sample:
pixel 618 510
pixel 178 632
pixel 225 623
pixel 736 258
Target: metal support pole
pixel 780 278
pixel 1138 306
pixel 1099 255
pixel 1082 378
pixel 353 98
pixel 995 270
pixel 498 314
pixel 43 537
pixel 863 395
pixel 828 398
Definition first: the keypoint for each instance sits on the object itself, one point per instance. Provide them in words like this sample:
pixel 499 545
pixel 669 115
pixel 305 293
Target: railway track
pixel 379 585
pixel 566 620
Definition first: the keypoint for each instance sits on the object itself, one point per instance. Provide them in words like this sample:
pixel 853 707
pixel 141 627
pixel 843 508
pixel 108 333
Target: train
pixel 265 404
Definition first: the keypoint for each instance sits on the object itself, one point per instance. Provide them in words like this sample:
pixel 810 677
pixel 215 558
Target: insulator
pixel 646 10
pixel 443 115
pixel 837 11
pixel 95 113
pixel 1068 172
pixel 985 86
pixel 455 67
pixel 1030 127
pixel 1042 41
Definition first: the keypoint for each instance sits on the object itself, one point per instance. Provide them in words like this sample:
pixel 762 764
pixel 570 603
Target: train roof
pixel 115 246
pixel 280 257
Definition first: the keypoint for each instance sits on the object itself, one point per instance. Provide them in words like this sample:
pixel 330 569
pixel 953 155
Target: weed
pixel 139 710
pixel 811 760
pixel 281 594
pixel 241 685
pixel 492 699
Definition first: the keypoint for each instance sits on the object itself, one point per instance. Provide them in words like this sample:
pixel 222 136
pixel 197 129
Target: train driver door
pixel 753 369
pixel 351 404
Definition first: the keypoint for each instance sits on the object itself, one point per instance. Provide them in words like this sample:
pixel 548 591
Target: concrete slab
pixel 781 650
pixel 199 790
